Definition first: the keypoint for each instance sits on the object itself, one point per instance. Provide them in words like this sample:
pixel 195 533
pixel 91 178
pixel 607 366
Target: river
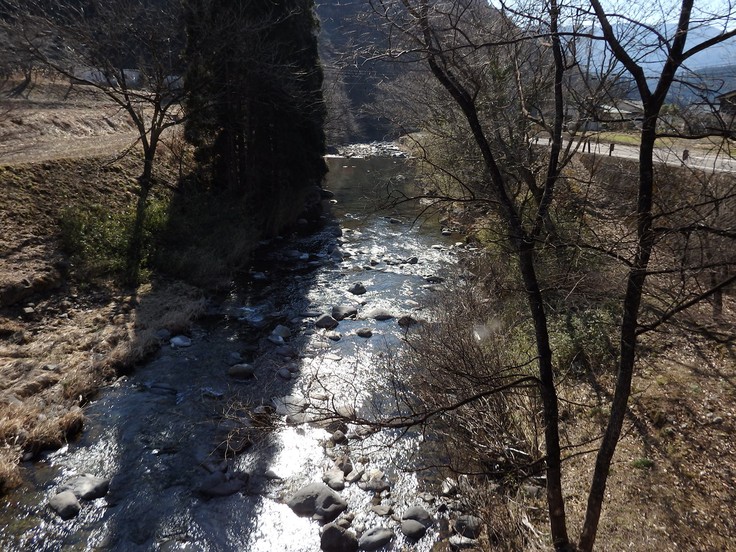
pixel 181 425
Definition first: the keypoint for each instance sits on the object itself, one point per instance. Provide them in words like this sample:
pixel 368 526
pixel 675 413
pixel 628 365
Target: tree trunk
pixel 548 392
pixel 135 247
pixel 629 325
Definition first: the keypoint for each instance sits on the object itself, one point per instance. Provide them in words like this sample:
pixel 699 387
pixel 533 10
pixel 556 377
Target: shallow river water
pixel 162 434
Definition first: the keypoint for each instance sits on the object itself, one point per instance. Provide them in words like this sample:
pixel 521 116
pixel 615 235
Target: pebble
pixel 241 371
pixel 458 542
pixel 209 393
pixel 180 341
pixel 334 479
pixel 356 473
pixel 344 464
pixel 339 437
pixel 382 510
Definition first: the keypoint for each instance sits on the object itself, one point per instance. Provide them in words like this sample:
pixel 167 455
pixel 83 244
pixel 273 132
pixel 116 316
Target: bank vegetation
pixel 109 256
pixel 591 262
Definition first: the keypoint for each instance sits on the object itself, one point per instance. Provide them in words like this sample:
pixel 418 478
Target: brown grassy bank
pixel 62 334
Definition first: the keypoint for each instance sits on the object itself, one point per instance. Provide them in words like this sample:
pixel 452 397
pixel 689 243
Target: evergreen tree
pixel 255 109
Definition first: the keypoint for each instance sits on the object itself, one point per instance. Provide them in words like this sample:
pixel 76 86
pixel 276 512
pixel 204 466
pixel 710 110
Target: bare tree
pixel 515 73
pixel 127 50
pixel 672 42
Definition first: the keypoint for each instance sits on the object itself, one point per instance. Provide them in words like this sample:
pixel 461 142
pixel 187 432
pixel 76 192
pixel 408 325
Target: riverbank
pixel 672 472
pixel 64 335
pixel 234 424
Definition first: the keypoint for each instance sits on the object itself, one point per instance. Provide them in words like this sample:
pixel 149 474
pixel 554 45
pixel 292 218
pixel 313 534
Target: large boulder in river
pixel 326 321
pixel 379 314
pixel 413 529
pixel 282 331
pixel 375 538
pixel 357 289
pixel 344 311
pixel 241 371
pixel 336 539
pixel 415 522
pixel 65 504
pixel 469 526
pixel 318 501
pixel 87 487
pixel 419 514
pixel 179 341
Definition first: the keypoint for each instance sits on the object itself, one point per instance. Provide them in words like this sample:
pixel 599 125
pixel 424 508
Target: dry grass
pixel 673 474
pixel 78 336
pixel 9 473
pixel 64 363
pixel 673 479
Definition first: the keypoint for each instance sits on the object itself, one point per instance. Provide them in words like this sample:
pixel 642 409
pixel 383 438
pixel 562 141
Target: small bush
pixel 9 469
pixel 582 340
pixel 643 464
pixel 97 239
pixel 207 237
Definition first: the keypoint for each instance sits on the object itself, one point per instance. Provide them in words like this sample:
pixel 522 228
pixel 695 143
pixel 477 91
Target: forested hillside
pixel 355 77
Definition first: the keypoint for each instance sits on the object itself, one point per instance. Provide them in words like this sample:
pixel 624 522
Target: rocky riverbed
pixel 238 436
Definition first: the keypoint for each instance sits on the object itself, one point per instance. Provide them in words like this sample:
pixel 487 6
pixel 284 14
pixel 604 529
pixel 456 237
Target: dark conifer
pixel 255 109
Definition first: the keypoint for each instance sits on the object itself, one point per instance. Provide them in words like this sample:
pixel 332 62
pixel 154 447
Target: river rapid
pixel 204 444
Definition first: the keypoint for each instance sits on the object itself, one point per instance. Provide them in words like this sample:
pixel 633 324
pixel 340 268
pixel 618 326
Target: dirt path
pixel 46 126
pixel 45 148
pixel 697 159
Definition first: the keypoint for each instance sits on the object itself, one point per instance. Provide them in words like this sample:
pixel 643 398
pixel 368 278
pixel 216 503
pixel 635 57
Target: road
pixel 49 126
pixel 696 159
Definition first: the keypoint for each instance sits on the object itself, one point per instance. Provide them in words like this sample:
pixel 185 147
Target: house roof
pixel 727 96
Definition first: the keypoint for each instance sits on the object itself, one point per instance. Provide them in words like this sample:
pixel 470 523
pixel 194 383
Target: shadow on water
pixel 199 460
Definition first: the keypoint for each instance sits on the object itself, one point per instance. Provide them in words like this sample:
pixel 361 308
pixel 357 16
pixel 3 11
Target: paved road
pixel 696 159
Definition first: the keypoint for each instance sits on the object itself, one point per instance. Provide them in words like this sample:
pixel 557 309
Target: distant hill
pixel 703 77
pixel 347 32
pixel 704 84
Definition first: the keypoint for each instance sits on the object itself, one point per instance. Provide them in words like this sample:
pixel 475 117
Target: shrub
pixel 643 464
pixel 97 239
pixel 206 238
